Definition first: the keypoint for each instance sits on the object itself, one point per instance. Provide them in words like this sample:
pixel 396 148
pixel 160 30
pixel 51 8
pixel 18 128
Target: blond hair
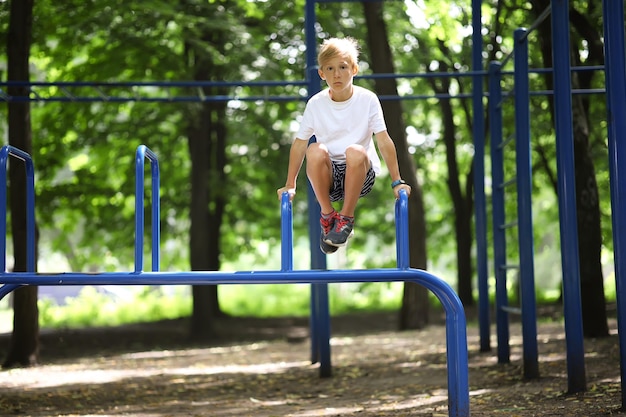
pixel 347 48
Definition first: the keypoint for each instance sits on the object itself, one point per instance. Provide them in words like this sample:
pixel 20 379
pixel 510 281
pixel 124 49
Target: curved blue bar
pixel 456 337
pixel 5 152
pixel 141 154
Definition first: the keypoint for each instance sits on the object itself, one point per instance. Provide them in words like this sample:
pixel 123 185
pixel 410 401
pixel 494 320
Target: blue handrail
pixel 141 154
pixel 5 152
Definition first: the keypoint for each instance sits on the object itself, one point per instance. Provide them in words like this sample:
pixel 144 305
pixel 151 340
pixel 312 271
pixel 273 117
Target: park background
pixel 222 160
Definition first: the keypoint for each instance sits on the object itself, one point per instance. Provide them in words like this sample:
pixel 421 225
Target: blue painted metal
pixel 402 231
pixel 141 154
pixel 524 206
pixel 614 51
pixel 286 230
pixel 320 310
pixel 5 152
pixel 456 337
pixel 567 196
pixel 498 214
pixel 480 203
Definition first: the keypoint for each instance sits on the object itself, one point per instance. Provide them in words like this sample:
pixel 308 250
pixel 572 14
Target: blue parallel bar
pixel 140 155
pixel 614 47
pixel 567 196
pixel 498 214
pixel 402 231
pixel 456 337
pixel 524 206
pixel 480 204
pixel 5 152
pixel 286 230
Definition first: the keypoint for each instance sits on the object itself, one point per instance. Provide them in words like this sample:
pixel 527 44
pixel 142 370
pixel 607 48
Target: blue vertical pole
pixel 139 214
pixel 480 210
pixel 156 211
pixel 402 231
pixel 567 196
pixel 320 315
pixel 286 236
pixel 524 206
pixel 497 202
pixel 614 51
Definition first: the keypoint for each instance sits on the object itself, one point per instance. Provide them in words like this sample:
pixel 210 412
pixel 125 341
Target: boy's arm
pixel 387 150
pixel 296 157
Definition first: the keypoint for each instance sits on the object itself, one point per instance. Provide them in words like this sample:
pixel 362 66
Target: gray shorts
pixel 339 176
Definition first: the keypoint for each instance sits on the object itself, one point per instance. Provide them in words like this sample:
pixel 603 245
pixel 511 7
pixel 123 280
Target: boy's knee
pixel 356 154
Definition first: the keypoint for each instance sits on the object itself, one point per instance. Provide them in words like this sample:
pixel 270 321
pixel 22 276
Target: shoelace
pixel 341 224
pixel 327 223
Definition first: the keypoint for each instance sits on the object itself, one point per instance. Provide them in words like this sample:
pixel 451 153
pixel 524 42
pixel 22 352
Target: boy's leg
pixel 319 171
pixel 357 165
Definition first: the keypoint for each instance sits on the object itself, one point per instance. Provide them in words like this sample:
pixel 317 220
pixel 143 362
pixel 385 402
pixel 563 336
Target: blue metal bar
pixel 456 337
pixel 524 206
pixel 5 152
pixel 286 240
pixel 480 203
pixel 567 196
pixel 614 51
pixel 542 17
pixel 402 231
pixel 140 155
pixel 498 215
pixel 320 314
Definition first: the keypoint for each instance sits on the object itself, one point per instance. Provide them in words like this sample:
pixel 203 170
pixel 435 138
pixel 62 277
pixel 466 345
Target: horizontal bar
pixel 212 277
pixel 509 225
pixel 505 184
pixel 511 310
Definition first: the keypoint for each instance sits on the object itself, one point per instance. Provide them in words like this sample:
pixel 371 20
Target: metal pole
pixel 567 196
pixel 498 215
pixel 613 12
pixel 524 206
pixel 480 210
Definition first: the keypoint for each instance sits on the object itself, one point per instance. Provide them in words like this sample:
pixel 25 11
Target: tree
pixel 415 306
pixel 587 195
pixel 24 348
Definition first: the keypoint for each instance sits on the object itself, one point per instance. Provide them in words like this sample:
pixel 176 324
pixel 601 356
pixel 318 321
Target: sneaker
pixel 341 232
pixel 327 225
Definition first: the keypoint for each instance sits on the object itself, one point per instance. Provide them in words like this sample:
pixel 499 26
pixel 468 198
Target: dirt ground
pixel 261 367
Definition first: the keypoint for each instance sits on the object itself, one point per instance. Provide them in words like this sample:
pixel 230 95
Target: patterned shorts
pixel 339 175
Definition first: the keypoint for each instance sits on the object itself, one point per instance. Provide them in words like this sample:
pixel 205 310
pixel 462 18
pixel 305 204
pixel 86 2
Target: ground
pixel 262 368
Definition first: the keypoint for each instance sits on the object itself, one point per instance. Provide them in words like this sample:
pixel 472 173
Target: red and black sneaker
pixel 341 231
pixel 327 224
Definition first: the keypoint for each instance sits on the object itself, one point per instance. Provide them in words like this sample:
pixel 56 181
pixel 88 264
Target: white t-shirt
pixel 341 124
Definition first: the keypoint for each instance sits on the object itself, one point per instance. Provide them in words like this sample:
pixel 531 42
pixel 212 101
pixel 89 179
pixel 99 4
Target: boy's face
pixel 338 74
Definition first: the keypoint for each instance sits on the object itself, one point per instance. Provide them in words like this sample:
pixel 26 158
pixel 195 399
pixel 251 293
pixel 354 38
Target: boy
pixel 343 163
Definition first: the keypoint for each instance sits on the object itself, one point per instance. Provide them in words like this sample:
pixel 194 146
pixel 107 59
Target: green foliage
pixel 83 151
pixel 92 308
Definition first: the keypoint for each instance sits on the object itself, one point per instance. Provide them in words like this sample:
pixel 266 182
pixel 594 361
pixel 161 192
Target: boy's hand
pixel 290 190
pixel 397 189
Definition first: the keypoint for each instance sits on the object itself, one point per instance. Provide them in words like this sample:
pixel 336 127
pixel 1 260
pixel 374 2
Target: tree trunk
pixel 24 347
pixel 595 322
pixel 414 313
pixel 207 148
pixel 462 203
